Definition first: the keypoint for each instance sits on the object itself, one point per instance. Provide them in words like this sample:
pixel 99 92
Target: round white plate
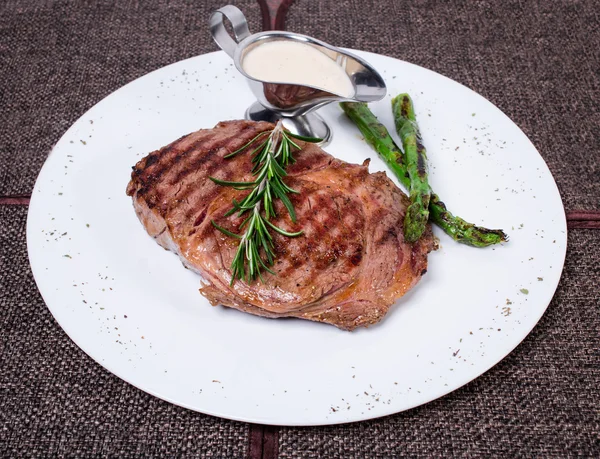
pixel 134 309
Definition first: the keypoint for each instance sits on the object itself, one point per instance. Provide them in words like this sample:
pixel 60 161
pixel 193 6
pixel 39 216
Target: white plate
pixel 134 309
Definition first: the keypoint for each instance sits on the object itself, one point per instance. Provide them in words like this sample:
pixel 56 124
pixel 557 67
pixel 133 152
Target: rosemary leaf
pixel 243 185
pixel 304 138
pixel 255 252
pixel 224 231
pixel 284 232
pixel 245 146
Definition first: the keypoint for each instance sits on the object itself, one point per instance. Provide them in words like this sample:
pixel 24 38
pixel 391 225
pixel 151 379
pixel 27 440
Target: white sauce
pixel 288 61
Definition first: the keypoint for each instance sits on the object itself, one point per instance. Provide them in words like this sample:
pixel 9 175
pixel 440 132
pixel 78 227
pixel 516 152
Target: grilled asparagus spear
pixel 415 159
pixel 379 138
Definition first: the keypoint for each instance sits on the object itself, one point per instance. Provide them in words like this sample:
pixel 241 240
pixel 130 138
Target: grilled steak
pixel 348 267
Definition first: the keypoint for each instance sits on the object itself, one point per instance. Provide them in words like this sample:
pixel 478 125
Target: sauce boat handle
pixel 219 32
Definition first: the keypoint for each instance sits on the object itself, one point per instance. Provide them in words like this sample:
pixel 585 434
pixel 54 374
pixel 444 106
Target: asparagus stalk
pixel 415 158
pixel 379 138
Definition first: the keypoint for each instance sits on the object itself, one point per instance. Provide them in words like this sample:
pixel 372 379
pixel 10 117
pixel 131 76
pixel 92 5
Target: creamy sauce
pixel 294 62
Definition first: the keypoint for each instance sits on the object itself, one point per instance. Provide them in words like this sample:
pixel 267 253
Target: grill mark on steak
pixel 327 236
pixel 189 161
pixel 348 267
pixel 175 175
pixel 225 172
pixel 356 257
pixel 196 163
pixel 151 173
pixel 229 145
pixel 153 158
pixel 212 162
pixel 174 154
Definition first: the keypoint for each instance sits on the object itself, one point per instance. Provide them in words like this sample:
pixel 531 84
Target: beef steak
pixel 348 267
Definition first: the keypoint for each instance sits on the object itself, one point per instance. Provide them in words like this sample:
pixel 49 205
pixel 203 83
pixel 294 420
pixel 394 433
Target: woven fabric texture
pixel 56 402
pixel 538 61
pixel 543 400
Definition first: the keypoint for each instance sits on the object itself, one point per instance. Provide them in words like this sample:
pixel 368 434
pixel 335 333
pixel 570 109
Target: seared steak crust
pixel 348 267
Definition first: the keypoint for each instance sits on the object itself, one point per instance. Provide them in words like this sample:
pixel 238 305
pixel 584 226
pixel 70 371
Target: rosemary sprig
pixel 270 158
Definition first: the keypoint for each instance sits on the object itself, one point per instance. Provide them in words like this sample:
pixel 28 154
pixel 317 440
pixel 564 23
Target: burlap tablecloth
pixel 538 61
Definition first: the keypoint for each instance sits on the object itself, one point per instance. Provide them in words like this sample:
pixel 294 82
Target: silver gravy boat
pixel 293 103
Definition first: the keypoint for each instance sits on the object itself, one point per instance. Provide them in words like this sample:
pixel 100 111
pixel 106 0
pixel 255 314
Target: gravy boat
pixel 292 102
